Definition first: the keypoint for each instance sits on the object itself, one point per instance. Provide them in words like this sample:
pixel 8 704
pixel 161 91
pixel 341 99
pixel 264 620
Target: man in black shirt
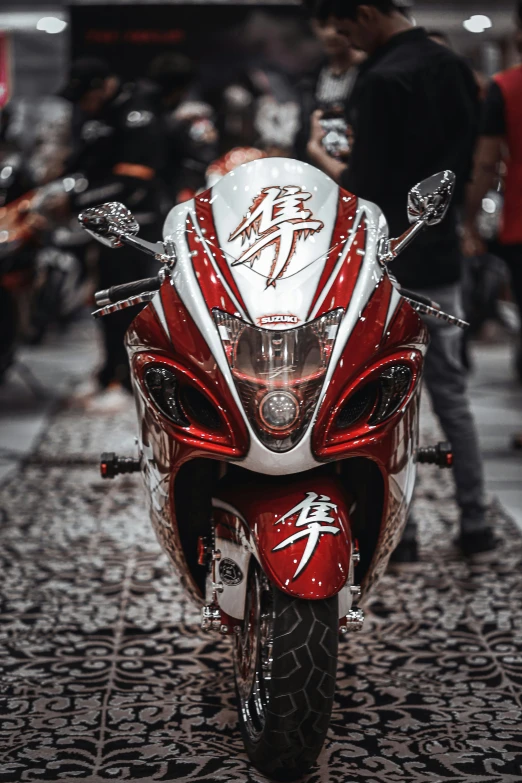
pixel 414 112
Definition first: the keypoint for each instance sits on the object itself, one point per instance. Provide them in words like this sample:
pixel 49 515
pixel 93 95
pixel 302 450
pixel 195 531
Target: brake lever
pixel 132 301
pixel 425 310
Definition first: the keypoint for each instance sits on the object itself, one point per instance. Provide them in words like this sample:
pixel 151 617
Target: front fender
pixel 298 530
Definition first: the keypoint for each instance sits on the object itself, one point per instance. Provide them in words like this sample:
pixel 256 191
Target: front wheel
pixel 285 661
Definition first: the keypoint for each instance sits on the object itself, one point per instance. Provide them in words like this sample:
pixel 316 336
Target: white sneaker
pixel 84 392
pixel 113 399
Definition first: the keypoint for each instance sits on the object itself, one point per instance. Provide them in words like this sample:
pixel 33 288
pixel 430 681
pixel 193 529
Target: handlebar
pixel 118 292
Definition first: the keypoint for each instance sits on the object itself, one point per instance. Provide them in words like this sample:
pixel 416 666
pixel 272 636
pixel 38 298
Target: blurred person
pixel 118 146
pixel 482 277
pixel 501 141
pixel 15 175
pixel 414 112
pixel 190 133
pixel 277 125
pixel 330 86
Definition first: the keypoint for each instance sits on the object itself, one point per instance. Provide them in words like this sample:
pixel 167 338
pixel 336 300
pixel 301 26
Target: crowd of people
pixel 390 104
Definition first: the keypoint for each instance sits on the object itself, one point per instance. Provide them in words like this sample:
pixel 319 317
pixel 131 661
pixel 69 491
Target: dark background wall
pixel 40 60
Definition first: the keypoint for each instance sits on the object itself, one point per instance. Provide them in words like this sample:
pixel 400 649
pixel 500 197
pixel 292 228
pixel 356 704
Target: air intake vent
pixel 358 405
pixel 200 409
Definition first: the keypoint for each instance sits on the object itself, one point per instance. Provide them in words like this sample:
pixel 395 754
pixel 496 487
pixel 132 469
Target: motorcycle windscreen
pixel 278 374
pixel 280 226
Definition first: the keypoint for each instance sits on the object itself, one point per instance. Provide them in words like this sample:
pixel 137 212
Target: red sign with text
pixel 5 70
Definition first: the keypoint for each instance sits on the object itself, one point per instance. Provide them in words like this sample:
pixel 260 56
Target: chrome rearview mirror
pixel 428 203
pixel 114 225
pixel 430 199
pixel 108 222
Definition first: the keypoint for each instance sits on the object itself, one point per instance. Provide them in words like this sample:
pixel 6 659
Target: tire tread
pixel 302 687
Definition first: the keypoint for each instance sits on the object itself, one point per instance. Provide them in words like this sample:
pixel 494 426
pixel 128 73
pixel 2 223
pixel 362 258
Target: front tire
pixel 285 665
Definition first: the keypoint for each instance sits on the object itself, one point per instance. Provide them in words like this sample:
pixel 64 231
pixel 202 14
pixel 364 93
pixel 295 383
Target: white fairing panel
pixel 275 221
pixel 267 281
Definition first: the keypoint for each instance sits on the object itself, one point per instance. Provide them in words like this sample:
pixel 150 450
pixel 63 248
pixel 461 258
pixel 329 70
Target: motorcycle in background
pixel 18 241
pixel 44 276
pixel 277 371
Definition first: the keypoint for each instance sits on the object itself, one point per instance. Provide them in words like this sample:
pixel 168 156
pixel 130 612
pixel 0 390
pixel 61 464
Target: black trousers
pixel 512 255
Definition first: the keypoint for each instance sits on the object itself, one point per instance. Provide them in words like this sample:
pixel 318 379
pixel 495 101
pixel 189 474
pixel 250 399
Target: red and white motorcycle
pixel 276 371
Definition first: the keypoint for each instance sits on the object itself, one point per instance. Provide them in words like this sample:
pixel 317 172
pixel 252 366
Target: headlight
pixel 279 374
pixel 279 410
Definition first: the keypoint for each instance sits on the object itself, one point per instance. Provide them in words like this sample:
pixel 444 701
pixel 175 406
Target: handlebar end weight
pixel 440 455
pixel 111 465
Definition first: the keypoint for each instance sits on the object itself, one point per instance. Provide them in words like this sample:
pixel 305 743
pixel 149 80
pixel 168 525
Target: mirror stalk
pixel 391 248
pixel 114 225
pixel 428 203
pixel 158 250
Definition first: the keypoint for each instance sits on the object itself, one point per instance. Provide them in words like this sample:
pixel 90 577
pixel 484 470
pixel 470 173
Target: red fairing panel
pixel 300 530
pixel 368 351
pixel 340 289
pixel 187 352
pixel 205 218
pixel 208 274
pixel 166 447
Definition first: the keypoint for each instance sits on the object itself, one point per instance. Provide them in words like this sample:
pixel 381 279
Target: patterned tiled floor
pixel 106 675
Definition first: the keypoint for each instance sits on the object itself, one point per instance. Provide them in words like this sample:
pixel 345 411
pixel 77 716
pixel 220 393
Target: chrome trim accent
pixel 102 297
pixel 231 597
pixel 108 221
pixel 429 200
pixel 428 203
pixel 389 249
pixel 354 622
pixel 210 616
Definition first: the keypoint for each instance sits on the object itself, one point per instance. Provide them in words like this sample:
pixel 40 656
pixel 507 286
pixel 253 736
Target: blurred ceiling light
pixel 477 23
pixel 51 24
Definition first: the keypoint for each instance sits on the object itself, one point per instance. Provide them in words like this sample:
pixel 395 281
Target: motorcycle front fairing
pixel 277 285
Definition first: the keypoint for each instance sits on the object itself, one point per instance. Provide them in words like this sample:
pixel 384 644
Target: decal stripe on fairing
pixel 208 276
pixel 366 338
pixel 360 224
pixel 160 312
pixel 394 303
pixel 342 233
pixel 205 215
pixel 342 287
